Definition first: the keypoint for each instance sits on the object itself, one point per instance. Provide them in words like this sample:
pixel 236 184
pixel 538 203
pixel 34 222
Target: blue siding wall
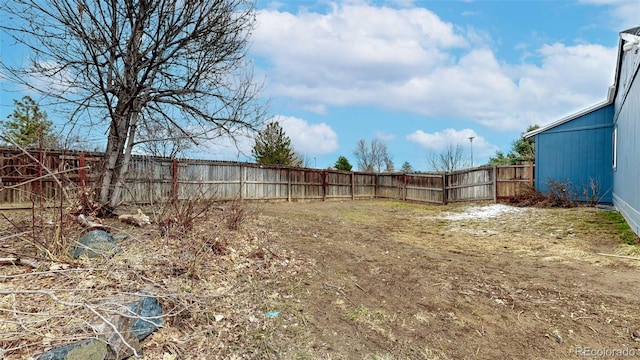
pixel 626 178
pixel 578 151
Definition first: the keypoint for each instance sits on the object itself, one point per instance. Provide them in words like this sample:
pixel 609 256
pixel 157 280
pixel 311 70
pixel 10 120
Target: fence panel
pixel 474 184
pixel 306 184
pixel 390 186
pixel 144 182
pixel 266 183
pixel 425 188
pixel 26 176
pixel 15 170
pixel 511 180
pixel 154 179
pixel 364 186
pixel 339 185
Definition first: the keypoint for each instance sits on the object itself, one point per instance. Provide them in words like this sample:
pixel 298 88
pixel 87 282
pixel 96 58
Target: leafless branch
pixel 373 157
pixel 131 65
pixel 449 160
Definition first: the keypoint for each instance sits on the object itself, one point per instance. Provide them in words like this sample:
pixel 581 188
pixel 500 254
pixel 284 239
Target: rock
pixel 90 349
pixel 120 238
pixel 112 344
pixel 95 243
pixel 122 343
pixel 146 307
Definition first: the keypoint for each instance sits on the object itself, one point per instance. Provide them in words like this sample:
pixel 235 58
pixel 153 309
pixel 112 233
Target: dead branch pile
pixel 205 281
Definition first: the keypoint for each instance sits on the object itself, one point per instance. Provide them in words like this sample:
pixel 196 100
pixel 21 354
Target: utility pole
pixel 471 141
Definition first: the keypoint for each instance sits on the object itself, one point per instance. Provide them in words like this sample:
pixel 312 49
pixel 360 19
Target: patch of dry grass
pixel 216 288
pixel 236 293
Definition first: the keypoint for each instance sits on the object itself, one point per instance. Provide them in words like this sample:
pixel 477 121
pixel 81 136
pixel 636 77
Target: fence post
pixel 324 175
pixel 174 180
pixel 531 174
pixel 444 188
pixel 289 184
pixel 241 181
pixel 2 197
pixel 375 186
pixel 83 172
pixel 404 187
pixel 353 186
pixel 495 183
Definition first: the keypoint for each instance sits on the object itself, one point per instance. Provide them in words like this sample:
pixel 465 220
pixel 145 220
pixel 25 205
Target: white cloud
pixel 226 148
pixel 309 139
pixel 409 59
pixel 352 41
pixel 384 136
pixel 441 140
pixel 623 13
pixel 306 139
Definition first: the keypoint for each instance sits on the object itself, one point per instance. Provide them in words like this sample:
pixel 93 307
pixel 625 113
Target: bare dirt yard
pixel 352 280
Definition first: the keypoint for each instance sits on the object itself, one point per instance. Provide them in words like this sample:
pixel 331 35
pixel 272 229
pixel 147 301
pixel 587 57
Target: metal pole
pixel 471 141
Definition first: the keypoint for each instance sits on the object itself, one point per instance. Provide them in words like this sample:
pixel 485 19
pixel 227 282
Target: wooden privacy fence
pixel 153 179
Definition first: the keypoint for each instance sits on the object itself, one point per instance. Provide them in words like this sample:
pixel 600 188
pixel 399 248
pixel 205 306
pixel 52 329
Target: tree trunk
pixel 120 179
pixel 115 152
pixel 115 145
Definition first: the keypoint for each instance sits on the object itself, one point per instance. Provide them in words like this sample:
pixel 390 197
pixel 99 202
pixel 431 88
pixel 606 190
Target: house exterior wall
pixel 626 176
pixel 579 152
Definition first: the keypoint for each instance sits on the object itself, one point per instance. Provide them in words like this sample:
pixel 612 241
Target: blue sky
pixel 423 75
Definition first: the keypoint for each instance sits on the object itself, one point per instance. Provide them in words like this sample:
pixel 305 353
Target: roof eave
pixel 611 95
pixel 572 116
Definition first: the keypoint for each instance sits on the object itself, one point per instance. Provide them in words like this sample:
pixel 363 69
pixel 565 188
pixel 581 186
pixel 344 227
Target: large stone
pixel 89 349
pixel 95 243
pixel 122 340
pixel 147 307
pixel 139 320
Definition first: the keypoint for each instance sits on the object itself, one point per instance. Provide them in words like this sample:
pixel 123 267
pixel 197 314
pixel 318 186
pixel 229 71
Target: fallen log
pixel 620 256
pixel 139 219
pixel 14 260
pixel 82 220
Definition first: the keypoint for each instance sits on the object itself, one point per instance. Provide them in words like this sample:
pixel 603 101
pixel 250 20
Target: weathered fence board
pixel 364 186
pixel 469 185
pixel 390 186
pixel 153 179
pixel 512 180
pixel 425 188
pixel 339 185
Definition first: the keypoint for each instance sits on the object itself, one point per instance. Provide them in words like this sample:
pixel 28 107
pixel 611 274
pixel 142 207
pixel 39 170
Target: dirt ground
pixel 368 280
pixel 400 281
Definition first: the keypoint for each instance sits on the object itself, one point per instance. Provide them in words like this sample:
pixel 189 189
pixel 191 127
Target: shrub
pixel 561 194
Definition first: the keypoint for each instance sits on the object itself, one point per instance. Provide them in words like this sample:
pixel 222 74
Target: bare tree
pixel 160 139
pixel 125 63
pixel 450 160
pixel 373 157
pixel 388 163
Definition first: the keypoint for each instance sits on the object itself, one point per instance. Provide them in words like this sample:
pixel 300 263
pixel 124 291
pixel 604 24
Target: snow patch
pixel 482 212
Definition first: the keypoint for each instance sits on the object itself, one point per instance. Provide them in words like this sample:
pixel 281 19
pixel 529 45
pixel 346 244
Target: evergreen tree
pixel 343 164
pixel 28 125
pixel 521 150
pixel 273 147
pixel 406 168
